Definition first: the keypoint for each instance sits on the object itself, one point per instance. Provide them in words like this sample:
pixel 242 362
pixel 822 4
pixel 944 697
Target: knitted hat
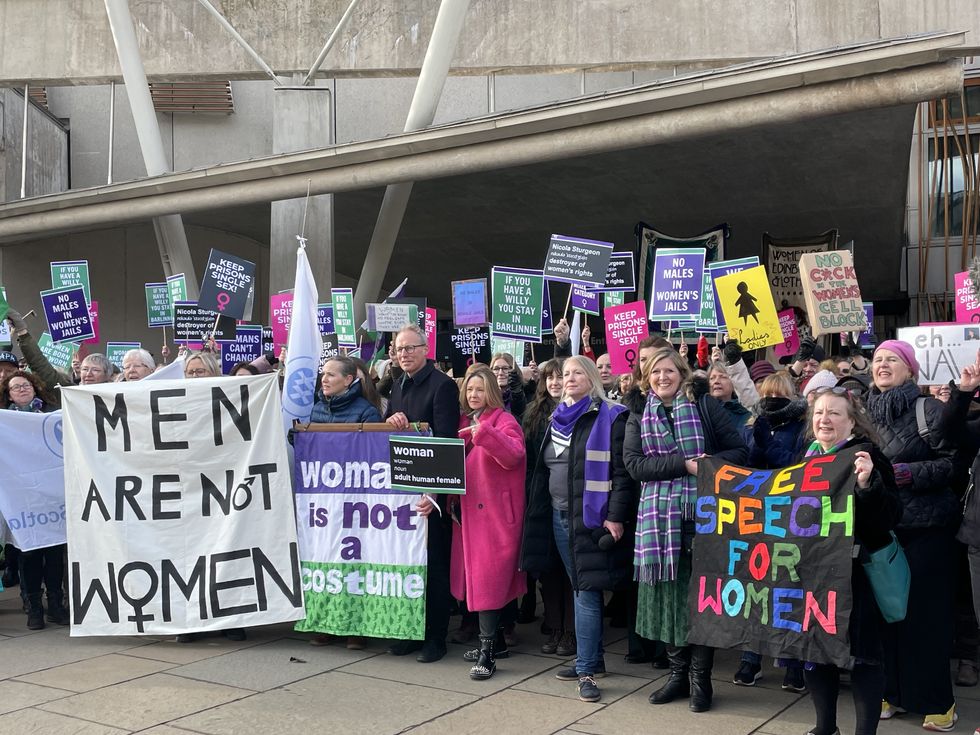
pixel 821 379
pixel 6 356
pixel 760 369
pixel 904 351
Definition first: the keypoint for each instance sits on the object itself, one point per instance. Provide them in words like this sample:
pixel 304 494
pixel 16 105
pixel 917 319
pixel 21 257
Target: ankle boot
pixel 57 612
pixel 486 664
pixel 35 612
pixel 677 680
pixel 702 658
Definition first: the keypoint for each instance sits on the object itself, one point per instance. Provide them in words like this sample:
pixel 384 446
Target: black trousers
pixel 45 566
pixel 437 582
pixel 867 687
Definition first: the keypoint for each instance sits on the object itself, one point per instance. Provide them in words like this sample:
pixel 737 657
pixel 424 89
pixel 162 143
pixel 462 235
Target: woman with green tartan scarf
pixel 661 449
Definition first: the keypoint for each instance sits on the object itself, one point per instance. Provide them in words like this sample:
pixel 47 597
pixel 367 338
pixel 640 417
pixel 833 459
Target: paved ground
pixel 94 686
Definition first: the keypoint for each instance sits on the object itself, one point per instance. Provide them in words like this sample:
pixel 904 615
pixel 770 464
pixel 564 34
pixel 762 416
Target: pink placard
pixel 93 311
pixel 626 327
pixel 430 331
pixel 791 336
pixel 280 312
pixel 967 304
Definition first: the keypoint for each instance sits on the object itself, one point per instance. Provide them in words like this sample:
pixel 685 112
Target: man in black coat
pixel 425 394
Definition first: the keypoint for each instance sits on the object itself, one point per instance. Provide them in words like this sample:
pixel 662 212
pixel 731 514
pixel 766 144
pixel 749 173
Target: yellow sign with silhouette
pixel 748 308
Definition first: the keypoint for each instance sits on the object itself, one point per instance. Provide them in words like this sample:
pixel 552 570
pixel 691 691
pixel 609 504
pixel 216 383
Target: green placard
pixel 517 297
pixel 58 355
pixel 178 289
pixel 115 351
pixel 71 273
pixel 513 347
pixel 159 307
pixel 707 321
pixel 5 338
pixel 613 298
pixel 343 316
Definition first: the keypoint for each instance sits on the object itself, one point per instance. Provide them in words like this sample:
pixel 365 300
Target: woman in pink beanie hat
pixel 917 650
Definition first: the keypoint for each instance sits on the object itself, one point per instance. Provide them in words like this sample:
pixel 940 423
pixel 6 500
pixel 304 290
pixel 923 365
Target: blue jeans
pixel 588 606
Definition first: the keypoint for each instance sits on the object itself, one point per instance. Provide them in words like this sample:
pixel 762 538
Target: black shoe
pixel 59 616
pixel 793 680
pixel 702 659
pixel 35 612
pixel 431 652
pixel 403 648
pixel 568 645
pixel 748 674
pixel 186 637
pixel 485 664
pixel 551 645
pixel 234 634
pixel 570 674
pixel 588 690
pixel 637 658
pixel 678 681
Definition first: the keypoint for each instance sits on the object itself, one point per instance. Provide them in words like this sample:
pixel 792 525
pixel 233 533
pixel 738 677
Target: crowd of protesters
pixel 581 488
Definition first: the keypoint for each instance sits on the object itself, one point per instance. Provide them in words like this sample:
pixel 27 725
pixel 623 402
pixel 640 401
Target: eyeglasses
pixel 198 372
pixel 837 390
pixel 500 370
pixel 407 349
pixel 19 386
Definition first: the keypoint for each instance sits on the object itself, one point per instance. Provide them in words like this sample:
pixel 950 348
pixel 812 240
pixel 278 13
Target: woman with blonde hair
pixel 663 443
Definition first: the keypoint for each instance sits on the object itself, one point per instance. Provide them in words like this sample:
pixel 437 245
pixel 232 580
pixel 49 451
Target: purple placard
pixel 246 347
pixel 470 303
pixel 867 337
pixel 547 326
pixel 584 300
pixel 67 313
pixel 324 317
pixel 678 274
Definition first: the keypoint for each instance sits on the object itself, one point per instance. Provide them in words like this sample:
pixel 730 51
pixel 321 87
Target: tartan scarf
pixel 664 504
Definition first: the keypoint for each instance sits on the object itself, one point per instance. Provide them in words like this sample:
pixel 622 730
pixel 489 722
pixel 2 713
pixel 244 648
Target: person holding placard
pixel 556 589
pixel 664 440
pixel 581 503
pixel 488 518
pixel 838 421
pixel 23 391
pixel 917 650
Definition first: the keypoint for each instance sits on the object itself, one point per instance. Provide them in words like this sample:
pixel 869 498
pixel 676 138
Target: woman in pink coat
pixel 489 517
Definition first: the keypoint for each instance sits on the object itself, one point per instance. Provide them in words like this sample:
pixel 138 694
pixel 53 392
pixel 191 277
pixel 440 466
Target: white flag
pixel 173 371
pixel 32 478
pixel 575 333
pixel 303 346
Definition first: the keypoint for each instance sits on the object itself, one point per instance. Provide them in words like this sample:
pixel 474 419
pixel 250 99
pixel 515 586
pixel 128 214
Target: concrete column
pixel 301 121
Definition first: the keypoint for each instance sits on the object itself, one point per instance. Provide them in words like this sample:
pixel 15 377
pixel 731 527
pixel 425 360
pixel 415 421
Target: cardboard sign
pixel 222 478
pixel 867 337
pixel 723 268
pixel 280 315
pixel 782 263
pixel 194 324
pixel 346 508
pixel 228 281
pixel 470 303
pixel 178 288
pixel 93 312
pixel 584 300
pixel 343 316
pixel 66 273
pixel 832 294
pixel 574 260
pixel 772 566
pixel 626 327
pixel 246 347
pixel 430 332
pixel 159 309
pixel 791 335
pixel 942 350
pixel 390 318
pixel 324 317
pixel 613 298
pixel 750 315
pixel 420 303
pixel 678 274
pixel 427 464
pixel 67 313
pixel 518 294
pixel 621 274
pixel 59 355
pixel 967 302
pixel 116 351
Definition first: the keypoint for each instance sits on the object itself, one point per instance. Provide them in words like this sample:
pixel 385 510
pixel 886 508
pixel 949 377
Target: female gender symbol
pixel 223 300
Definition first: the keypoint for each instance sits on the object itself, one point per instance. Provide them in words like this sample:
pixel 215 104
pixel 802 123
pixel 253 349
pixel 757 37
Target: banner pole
pixel 214 329
pixel 165 348
pixel 568 301
pixel 532 352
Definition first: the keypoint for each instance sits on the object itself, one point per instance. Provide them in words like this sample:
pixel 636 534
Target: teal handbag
pixel 889 574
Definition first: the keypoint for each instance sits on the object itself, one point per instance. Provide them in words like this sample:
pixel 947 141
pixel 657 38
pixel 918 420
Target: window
pixel 954 107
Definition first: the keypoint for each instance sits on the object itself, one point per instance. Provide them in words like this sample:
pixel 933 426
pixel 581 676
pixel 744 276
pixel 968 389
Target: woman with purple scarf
pixel 581 504
pixel 663 443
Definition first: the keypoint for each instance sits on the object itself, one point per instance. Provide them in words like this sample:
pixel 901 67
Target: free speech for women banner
pixel 771 571
pixel 362 545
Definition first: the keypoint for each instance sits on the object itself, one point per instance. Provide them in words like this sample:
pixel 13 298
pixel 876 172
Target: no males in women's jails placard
pixel 180 507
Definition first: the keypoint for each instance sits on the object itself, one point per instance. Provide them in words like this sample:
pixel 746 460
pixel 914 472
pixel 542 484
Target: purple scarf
pixel 598 454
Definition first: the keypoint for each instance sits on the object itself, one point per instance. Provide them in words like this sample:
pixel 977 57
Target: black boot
pixel 35 613
pixel 702 658
pixel 678 683
pixel 57 612
pixel 499 646
pixel 486 664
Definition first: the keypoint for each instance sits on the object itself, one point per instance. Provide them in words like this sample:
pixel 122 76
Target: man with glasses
pixel 425 394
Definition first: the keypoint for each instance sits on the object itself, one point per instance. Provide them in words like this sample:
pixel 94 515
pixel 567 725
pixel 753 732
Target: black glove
pixel 514 379
pixel 761 431
pixel 805 351
pixel 732 352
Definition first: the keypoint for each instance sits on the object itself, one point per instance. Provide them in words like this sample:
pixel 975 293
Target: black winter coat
pixel 592 568
pixel 928 501
pixel 429 396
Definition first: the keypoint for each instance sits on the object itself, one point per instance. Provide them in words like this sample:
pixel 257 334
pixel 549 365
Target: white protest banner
pixel 362 544
pixel 32 478
pixel 180 507
pixel 942 350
